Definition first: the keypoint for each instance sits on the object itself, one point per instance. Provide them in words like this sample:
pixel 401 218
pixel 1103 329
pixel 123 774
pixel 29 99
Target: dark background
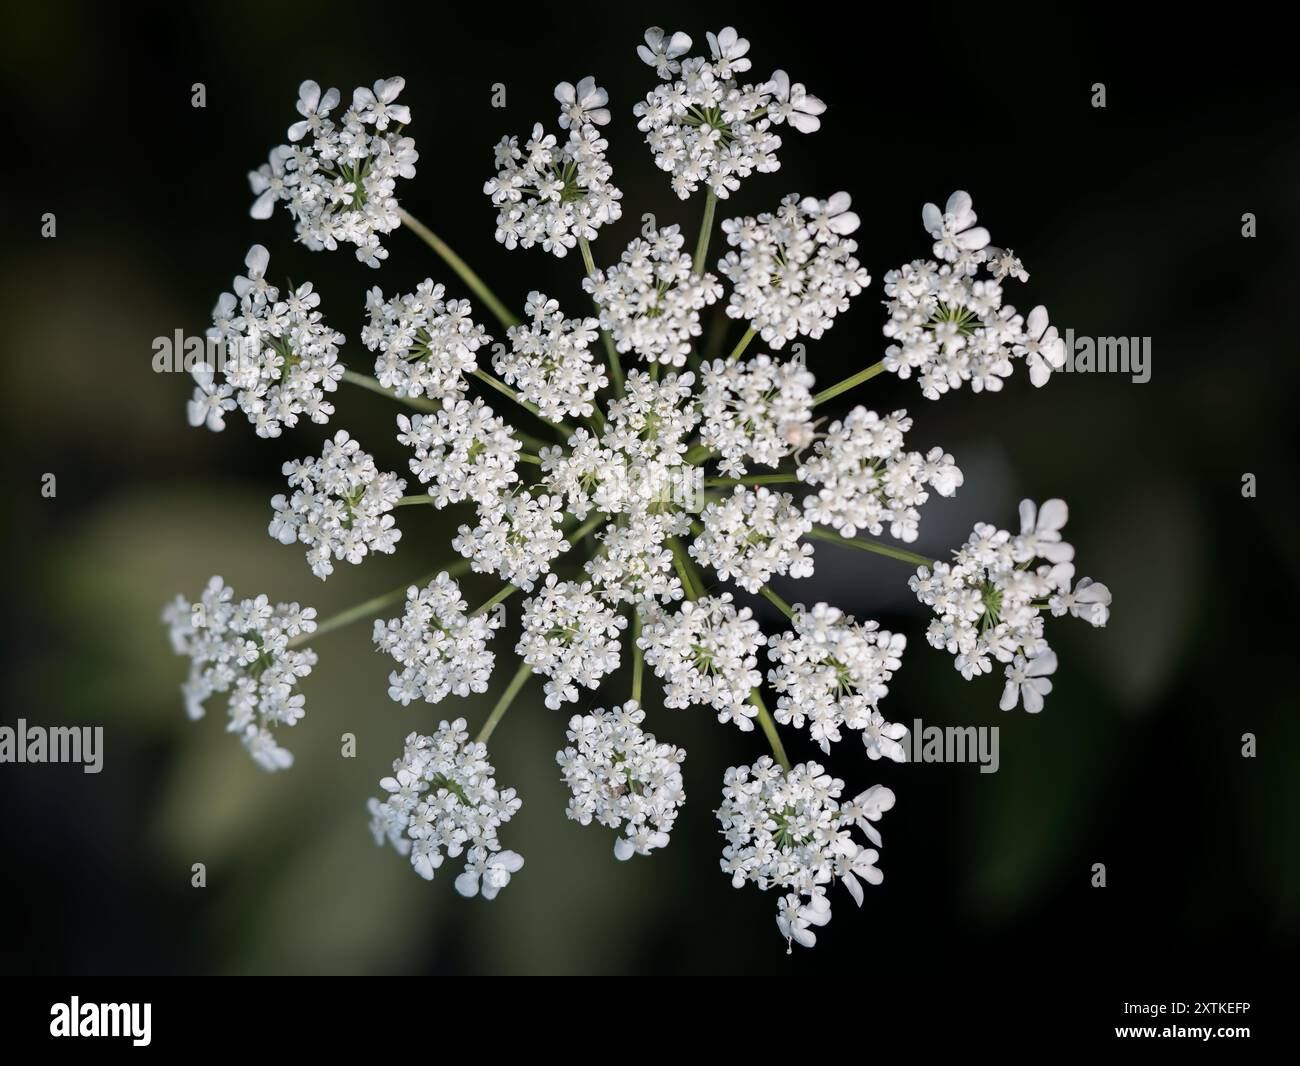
pixel 1129 220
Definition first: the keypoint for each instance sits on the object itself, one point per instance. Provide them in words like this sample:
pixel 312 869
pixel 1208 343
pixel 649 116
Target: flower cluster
pixel 865 481
pixel 426 344
pixel 793 271
pixel 553 194
pixel 988 601
pixel 644 472
pixel 788 831
pixel 753 534
pixel 441 649
pixel 280 358
pixel 650 301
pixel 516 537
pixel 550 360
pixel 706 126
pixel 634 565
pixel 756 411
pixel 620 776
pixel 339 507
pixel 832 672
pixel 462 452
pixel 947 320
pixel 337 176
pixel 649 429
pixel 244 648
pixel 443 802
pixel 571 637
pixel 706 653
pixel 636 465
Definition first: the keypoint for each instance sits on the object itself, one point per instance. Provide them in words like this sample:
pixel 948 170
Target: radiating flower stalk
pixel 656 494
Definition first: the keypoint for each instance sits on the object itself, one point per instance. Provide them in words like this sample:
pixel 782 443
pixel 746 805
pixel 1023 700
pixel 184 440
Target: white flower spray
pixel 638 511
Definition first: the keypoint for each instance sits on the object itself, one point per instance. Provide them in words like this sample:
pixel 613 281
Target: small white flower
pixel 758 410
pixel 1090 601
pixel 662 51
pixel 706 652
pixel 337 176
pixel 462 452
pixel 650 301
pixel 793 104
pixel 280 358
pixel 570 637
pixel 832 672
pixel 788 831
pixel 553 194
pixel 865 481
pixel 795 270
pixel 425 344
pixel 440 647
pixel 753 534
pixel 729 50
pixel 582 104
pixel 516 537
pixel 550 361
pixel 1004 263
pixel 243 648
pixel 211 401
pixel 634 565
pixel 953 229
pixel 314 106
pixel 1041 347
pixel 443 802
pixel 988 602
pixel 340 506
pixel 376 107
pixel 621 776
pixel 1028 680
pixel 795 919
pixel 706 127
pixel 488 872
pixel 1040 532
pixel 948 323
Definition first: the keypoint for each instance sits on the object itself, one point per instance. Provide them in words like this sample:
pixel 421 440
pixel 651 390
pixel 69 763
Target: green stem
pixel 472 280
pixel 638 656
pixel 506 390
pixel 503 704
pixel 849 383
pixel 615 364
pixel 875 546
pixel 772 597
pixel 706 231
pixel 408 501
pixel 371 607
pixel 751 479
pixel 682 565
pixel 502 595
pixel 742 344
pixel 611 353
pixel 769 729
pixel 585 529
pixel 588 260
pixel 419 403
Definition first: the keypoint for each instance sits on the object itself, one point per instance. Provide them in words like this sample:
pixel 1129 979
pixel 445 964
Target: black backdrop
pixel 1129 221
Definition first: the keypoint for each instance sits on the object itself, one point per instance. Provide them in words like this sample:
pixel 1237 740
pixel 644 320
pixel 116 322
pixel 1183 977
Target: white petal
pixel 1053 515
pixel 1036 323
pixel 1042 665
